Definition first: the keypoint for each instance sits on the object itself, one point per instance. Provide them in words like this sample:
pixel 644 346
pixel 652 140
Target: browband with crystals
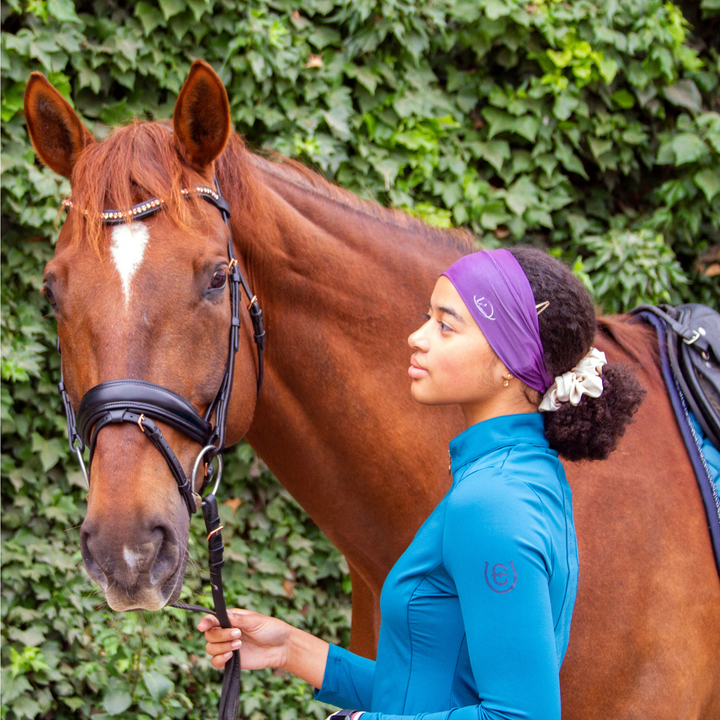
pixel 148 207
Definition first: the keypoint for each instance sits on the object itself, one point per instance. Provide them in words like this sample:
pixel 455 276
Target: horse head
pixel 146 300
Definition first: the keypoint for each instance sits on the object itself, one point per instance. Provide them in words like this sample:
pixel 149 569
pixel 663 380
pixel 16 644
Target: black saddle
pixel 693 347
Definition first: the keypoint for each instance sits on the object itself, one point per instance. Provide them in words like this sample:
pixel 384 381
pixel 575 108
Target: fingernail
pixel 227 656
pixel 235 644
pixel 235 633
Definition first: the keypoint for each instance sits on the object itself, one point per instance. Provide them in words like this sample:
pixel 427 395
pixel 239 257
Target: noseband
pixel 142 403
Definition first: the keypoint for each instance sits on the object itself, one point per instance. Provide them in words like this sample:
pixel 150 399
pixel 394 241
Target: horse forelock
pixel 137 162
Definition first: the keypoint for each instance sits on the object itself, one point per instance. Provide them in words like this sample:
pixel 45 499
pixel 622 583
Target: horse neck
pixel 342 284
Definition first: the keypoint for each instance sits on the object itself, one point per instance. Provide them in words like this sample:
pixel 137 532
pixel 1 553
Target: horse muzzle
pixel 139 565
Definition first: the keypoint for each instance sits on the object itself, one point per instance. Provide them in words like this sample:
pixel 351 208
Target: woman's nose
pixel 417 340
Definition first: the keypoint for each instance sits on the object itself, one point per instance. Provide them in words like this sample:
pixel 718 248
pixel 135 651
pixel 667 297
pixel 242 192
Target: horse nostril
pixel 93 568
pixel 166 556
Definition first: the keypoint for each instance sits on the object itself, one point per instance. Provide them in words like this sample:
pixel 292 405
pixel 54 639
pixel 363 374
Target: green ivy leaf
pixel 50 450
pixel 63 10
pixel 25 707
pixel 494 151
pixel 500 121
pixel 171 7
pixel 116 701
pixel 623 98
pixel 708 180
pixel 157 684
pixel 688 147
pixel 684 93
pixel 150 17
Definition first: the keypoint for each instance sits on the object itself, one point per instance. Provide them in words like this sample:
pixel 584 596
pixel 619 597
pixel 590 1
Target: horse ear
pixel 202 116
pixel 56 132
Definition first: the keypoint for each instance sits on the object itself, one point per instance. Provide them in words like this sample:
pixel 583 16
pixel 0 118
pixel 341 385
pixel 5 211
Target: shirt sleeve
pixel 498 552
pixel 348 680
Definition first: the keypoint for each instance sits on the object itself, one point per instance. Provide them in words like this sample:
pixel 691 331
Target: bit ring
pixel 198 460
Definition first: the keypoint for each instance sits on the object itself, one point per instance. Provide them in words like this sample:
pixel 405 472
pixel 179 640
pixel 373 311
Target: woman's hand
pixel 263 639
pixel 265 642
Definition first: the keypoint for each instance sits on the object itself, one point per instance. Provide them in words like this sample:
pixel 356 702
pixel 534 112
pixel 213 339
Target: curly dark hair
pixel 590 430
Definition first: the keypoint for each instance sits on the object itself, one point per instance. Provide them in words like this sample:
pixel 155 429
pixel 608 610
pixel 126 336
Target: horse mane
pixel 636 339
pixel 140 161
pixel 308 180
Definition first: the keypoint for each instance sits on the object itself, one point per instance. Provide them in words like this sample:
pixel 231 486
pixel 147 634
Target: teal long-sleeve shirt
pixel 476 612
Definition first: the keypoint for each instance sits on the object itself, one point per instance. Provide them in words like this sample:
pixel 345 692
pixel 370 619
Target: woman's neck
pixel 514 402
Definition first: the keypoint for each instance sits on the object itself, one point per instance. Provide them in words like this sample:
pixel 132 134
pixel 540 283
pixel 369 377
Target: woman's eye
pixel 218 280
pixel 426 316
pixel 443 326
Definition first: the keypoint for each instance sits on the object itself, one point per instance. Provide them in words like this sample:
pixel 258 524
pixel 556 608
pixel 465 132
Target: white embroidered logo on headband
pixel 583 379
pixel 485 307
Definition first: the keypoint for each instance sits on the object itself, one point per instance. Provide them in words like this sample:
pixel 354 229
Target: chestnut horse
pixel 342 283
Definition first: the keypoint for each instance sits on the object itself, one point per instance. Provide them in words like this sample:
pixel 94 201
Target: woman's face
pixel 453 363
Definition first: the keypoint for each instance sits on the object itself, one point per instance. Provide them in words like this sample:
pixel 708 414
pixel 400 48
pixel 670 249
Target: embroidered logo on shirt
pixel 500 578
pixel 485 307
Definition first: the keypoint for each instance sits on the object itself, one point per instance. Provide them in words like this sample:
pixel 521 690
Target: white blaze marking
pixel 127 249
pixel 130 557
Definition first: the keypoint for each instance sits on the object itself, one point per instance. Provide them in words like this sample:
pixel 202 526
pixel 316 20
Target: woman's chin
pixel 424 395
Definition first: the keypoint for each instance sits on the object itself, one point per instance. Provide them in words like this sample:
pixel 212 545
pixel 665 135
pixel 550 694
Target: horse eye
pixel 218 280
pixel 49 295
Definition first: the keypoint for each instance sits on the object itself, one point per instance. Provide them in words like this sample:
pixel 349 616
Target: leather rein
pixel 142 403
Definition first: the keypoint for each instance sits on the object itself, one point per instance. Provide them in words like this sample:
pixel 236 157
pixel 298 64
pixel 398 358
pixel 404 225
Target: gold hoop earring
pixel 506 382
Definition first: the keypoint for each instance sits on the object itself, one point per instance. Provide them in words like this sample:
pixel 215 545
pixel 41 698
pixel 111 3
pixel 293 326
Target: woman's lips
pixel 415 371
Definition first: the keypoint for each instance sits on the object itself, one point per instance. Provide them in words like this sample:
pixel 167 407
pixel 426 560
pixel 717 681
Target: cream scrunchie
pixel 583 379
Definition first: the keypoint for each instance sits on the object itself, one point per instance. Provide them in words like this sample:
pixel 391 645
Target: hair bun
pixel 591 430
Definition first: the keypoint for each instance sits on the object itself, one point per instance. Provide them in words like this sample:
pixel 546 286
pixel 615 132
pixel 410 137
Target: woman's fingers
pixel 207 622
pixel 222 648
pixel 218 661
pixel 221 635
pixel 235 615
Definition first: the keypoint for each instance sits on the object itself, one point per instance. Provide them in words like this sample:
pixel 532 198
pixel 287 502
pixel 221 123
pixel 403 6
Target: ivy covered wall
pixel 588 128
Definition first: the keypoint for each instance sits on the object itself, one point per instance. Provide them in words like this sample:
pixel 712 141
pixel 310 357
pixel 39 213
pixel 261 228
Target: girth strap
pixel 143 398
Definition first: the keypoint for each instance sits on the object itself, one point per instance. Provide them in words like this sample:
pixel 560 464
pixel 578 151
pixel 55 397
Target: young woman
pixel 476 613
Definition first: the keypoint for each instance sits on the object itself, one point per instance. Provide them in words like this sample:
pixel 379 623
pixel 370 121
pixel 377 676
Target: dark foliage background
pixel 588 128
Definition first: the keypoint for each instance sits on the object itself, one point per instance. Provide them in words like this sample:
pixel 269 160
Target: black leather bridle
pixel 142 403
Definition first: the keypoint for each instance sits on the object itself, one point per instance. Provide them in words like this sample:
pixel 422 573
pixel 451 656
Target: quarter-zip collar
pixel 484 437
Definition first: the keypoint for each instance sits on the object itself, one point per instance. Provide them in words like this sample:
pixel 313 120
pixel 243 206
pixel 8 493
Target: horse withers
pixel 342 283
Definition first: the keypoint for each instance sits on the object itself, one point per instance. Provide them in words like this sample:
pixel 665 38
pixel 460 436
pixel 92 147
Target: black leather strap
pixel 141 397
pixel 154 434
pixel 677 324
pixel 230 697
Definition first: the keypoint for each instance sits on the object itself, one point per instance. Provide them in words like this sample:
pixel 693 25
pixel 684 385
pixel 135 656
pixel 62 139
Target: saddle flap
pixel 699 364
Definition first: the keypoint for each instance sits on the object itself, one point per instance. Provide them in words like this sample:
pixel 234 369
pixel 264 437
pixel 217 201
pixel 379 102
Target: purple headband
pixel 498 295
